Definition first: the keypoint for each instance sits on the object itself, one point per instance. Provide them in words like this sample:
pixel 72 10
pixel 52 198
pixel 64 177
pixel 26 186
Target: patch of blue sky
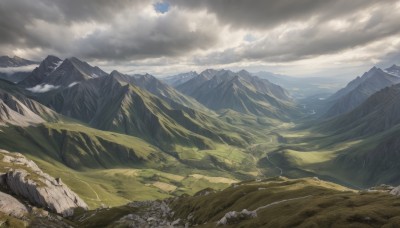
pixel 161 7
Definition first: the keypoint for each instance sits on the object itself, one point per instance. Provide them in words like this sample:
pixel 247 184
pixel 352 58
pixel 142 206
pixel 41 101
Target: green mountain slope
pixel 108 103
pixel 378 113
pixel 275 202
pixel 119 168
pixel 160 89
pixel 240 92
pixel 358 90
pixel 17 109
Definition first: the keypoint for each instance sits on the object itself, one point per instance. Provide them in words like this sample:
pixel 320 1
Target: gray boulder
pixel 395 191
pixel 26 179
pixel 11 206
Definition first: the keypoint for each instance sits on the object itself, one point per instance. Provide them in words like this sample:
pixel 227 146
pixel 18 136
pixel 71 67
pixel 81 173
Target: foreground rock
pixel 11 206
pixel 24 178
pixel 155 214
pixel 233 217
pixel 395 191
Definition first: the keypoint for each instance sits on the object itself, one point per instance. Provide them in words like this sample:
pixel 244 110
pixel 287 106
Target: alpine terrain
pixel 171 113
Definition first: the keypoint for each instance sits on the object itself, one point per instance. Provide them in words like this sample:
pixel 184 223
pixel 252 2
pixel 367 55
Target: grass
pixel 327 205
pixel 9 221
pixel 95 163
pixel 306 202
pixel 304 159
pixel 223 157
pixel 102 217
pixel 113 169
pixel 214 179
pixel 115 187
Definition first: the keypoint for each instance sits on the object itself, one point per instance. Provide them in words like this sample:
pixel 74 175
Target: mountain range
pixel 6 61
pixel 241 92
pixel 303 87
pixel 176 80
pixel 15 69
pixel 114 138
pixel 54 72
pixel 358 90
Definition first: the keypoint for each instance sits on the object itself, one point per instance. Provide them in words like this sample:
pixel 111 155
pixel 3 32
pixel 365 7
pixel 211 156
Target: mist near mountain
pixel 184 133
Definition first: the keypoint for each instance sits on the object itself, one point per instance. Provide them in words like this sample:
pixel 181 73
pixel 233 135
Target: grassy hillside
pixel 111 168
pixel 242 93
pixel 111 104
pixel 273 202
pixel 282 202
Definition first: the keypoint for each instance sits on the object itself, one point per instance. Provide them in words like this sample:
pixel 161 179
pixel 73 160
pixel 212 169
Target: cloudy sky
pixel 299 38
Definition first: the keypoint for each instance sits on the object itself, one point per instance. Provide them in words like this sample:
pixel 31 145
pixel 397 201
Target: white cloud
pixel 301 38
pixel 11 70
pixel 73 83
pixel 43 88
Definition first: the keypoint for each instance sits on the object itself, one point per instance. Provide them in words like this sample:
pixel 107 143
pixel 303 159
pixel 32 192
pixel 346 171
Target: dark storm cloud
pixel 46 24
pixel 124 30
pixel 17 15
pixel 270 13
pixel 169 36
pixel 315 38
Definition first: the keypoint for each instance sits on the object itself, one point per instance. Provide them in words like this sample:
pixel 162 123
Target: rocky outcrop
pixel 11 206
pixel 395 191
pixel 233 217
pixel 24 178
pixel 152 214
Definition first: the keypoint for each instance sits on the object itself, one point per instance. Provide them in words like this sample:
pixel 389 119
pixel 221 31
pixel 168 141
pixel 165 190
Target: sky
pixel 302 38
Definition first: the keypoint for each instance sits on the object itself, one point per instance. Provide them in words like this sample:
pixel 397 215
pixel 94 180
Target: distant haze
pixel 11 70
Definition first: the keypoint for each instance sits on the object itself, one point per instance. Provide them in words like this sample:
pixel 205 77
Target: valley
pixel 114 138
pixel 189 113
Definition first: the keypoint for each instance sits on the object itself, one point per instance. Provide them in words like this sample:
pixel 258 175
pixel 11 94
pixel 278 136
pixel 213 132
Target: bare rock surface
pixel 395 191
pixel 152 214
pixel 11 206
pixel 24 178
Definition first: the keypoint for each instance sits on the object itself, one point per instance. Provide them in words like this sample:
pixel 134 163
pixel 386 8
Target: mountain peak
pixel 55 72
pixel 17 57
pixel 114 72
pixel 52 57
pixel 394 70
pixel 393 67
pixel 209 72
pixel 74 60
pixel 16 61
pixel 358 90
pixel 179 79
pixel 243 71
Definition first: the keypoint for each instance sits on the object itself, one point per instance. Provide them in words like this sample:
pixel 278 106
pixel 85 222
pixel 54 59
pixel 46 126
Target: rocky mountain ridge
pixel 358 90
pixel 6 61
pixel 241 92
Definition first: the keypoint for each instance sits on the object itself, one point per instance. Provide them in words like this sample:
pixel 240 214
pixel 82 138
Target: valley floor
pixel 279 150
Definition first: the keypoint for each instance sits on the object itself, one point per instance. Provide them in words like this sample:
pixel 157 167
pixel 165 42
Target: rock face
pixel 241 92
pixel 11 206
pixel 233 217
pixel 359 90
pixel 395 191
pixel 16 110
pixel 24 178
pixel 15 61
pixel 153 214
